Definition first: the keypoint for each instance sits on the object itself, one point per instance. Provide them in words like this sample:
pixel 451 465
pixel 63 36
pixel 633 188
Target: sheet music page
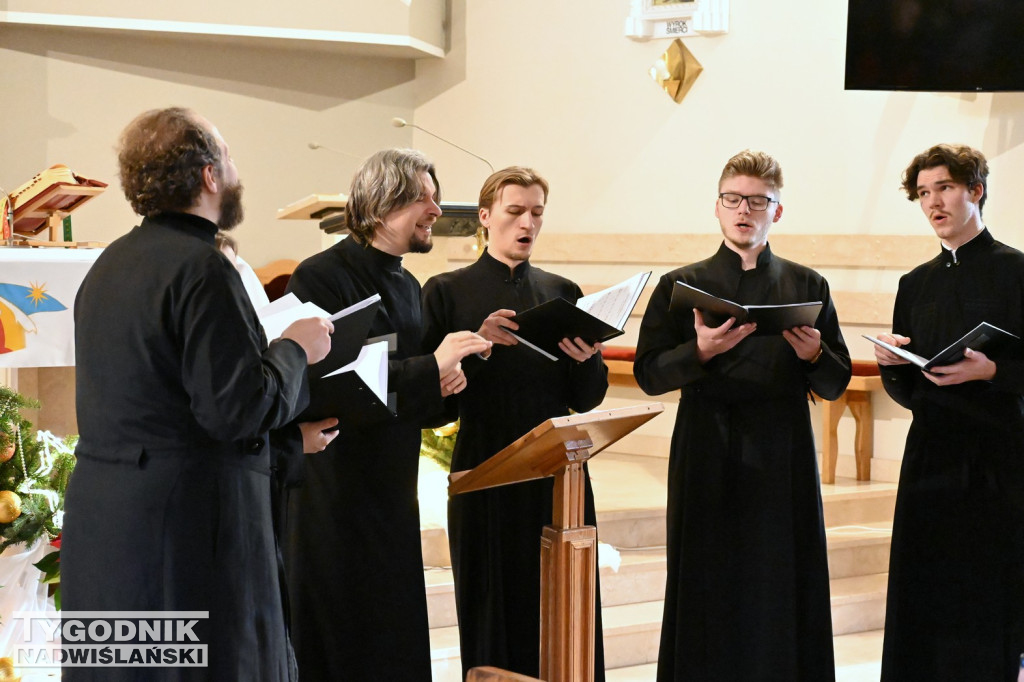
pixel 354 307
pixel 372 368
pixel 614 304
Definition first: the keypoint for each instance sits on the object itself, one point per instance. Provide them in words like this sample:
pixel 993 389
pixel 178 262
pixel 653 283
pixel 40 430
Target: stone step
pixel 632 528
pixel 858 550
pixel 434 544
pixel 858 603
pixel 858 659
pixel 631 637
pixel 630 495
pixel 858 656
pixel 632 631
pixel 849 502
pixel 858 559
pixel 646 672
pixel 640 578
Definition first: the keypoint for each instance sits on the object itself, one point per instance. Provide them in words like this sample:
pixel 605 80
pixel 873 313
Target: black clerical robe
pixel 169 505
pixel 352 538
pixel 747 595
pixel 955 608
pixel 495 534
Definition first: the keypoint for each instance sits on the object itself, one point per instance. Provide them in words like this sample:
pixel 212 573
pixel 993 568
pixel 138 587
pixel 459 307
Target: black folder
pixel 349 396
pixel 986 338
pixel 770 319
pixel 543 326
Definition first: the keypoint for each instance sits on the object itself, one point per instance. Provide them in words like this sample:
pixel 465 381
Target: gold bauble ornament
pixel 10 509
pixel 8 452
pixel 7 671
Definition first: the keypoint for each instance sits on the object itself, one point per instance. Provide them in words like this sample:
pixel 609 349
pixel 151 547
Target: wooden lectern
pixel 568 573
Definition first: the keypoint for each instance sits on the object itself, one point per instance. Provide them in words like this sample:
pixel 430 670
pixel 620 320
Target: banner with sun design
pixel 37 296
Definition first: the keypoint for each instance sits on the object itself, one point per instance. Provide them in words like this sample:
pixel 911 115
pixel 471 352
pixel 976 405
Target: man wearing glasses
pixel 747 583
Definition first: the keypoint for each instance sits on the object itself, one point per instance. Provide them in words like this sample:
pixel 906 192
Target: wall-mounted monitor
pixel 935 45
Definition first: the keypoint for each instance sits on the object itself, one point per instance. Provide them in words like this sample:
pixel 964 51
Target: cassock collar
pixel 764 259
pixel 185 222
pixel 492 264
pixel 977 244
pixel 379 259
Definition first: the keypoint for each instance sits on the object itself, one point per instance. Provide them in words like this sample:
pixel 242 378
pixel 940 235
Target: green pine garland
pixel 438 444
pixel 38 473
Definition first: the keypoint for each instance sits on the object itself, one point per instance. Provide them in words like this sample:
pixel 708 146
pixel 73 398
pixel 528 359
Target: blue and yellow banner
pixel 37 295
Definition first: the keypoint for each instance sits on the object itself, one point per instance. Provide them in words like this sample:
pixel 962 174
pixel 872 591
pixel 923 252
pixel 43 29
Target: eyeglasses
pixel 755 202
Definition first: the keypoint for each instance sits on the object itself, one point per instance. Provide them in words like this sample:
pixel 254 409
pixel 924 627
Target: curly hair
pixel 754 164
pixel 386 182
pixel 161 156
pixel 967 166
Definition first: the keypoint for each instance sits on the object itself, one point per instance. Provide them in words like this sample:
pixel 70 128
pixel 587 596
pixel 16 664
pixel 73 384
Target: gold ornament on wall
pixel 676 70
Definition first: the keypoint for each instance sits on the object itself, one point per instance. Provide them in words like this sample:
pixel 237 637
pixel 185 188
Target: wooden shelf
pixel 351 42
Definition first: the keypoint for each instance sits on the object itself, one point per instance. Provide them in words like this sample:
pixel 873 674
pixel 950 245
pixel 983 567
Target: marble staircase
pixel 630 495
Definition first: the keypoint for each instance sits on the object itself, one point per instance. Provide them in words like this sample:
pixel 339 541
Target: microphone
pixel 317 145
pixel 402 123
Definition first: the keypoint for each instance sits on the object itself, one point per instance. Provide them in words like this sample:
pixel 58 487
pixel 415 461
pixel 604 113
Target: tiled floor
pixel 857 660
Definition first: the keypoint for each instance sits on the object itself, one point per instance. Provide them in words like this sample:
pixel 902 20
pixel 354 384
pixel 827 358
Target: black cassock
pixel 495 534
pixel 352 532
pixel 955 608
pixel 747 595
pixel 169 505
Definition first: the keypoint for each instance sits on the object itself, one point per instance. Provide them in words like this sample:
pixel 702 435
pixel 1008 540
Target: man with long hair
pixel 353 557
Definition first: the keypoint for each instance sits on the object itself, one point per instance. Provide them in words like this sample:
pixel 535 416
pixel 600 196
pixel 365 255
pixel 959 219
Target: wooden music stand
pixel 44 202
pixel 568 573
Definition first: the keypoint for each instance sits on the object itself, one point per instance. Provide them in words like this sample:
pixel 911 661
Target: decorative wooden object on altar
pixel 46 200
pixel 568 578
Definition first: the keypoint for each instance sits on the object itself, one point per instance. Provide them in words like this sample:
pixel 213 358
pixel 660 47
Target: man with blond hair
pixel 955 607
pixel 495 534
pixel 747 594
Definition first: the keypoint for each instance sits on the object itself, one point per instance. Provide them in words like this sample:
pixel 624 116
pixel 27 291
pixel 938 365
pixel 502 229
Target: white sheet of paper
pixel 372 368
pixel 284 314
pixel 613 305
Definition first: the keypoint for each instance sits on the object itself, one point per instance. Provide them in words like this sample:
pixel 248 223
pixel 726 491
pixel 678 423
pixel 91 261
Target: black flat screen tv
pixel 935 45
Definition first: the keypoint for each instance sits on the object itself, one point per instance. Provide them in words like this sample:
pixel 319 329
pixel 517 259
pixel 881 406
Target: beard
pixel 231 211
pixel 419 244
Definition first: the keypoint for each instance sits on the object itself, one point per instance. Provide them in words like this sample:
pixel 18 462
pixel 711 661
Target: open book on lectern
pixel 770 319
pixel 985 337
pixel 594 318
pixel 351 383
